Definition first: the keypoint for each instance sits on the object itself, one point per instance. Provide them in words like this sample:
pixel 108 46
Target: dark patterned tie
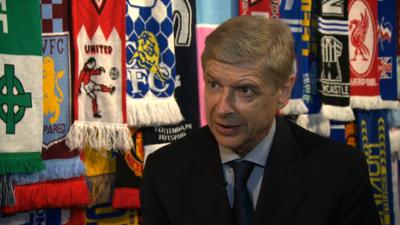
pixel 243 212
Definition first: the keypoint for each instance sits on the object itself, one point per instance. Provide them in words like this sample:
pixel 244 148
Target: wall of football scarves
pixel 114 80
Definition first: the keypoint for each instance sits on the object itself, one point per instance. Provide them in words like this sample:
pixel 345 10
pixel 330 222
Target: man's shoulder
pixel 311 142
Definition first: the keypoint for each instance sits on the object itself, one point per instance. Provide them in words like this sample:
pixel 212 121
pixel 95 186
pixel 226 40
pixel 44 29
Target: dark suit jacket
pixel 308 180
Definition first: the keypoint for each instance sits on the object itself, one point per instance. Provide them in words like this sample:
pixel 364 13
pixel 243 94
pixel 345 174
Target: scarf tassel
pixel 295 107
pixel 316 123
pixel 126 198
pixel 7 196
pixel 154 112
pixel 100 188
pixel 99 136
pixel 340 113
pixel 20 162
pixel 51 194
pixel 55 169
pixel 366 102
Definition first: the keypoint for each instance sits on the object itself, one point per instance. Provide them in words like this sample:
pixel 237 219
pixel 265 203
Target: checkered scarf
pixel 150 64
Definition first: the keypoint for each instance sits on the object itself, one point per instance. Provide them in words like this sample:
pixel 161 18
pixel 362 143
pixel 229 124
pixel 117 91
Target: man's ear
pixel 285 92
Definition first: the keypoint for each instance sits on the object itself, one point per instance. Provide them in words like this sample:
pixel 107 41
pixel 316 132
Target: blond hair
pixel 266 44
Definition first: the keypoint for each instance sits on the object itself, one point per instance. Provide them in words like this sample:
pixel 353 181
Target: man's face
pixel 240 105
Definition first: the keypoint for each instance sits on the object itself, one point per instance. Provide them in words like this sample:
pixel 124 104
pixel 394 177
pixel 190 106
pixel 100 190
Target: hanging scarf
pixel 57 101
pixel 100 76
pixel 150 62
pixel 363 54
pixel 100 174
pixel 258 7
pixel 344 132
pixel 296 15
pixel 50 194
pixel 373 139
pixel 49 216
pixel 333 61
pixel 186 92
pixel 128 175
pixel 56 169
pixel 387 51
pixel 311 95
pixel 21 117
pixel 105 214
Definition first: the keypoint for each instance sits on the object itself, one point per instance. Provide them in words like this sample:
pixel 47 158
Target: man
pixel 293 176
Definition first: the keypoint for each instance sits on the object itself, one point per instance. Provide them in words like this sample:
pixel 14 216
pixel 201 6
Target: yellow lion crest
pixel 147 55
pixel 51 102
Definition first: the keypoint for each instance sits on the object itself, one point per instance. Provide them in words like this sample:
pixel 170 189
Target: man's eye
pixel 246 91
pixel 213 84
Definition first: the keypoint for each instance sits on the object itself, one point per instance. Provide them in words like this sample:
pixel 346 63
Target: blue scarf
pixel 150 62
pixel 373 139
pixel 387 45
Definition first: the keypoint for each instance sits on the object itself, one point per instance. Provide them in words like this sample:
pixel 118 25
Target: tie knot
pixel 242 170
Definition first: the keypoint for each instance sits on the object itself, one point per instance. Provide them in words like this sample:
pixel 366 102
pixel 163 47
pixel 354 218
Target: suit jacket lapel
pixel 282 187
pixel 208 184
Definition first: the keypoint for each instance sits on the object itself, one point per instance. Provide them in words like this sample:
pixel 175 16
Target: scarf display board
pixel 57 96
pixel 21 116
pixel 128 174
pixel 186 93
pixel 151 66
pixel 363 54
pixel 297 15
pixel 387 53
pixel 100 76
pixel 373 140
pixel 105 214
pixel 333 61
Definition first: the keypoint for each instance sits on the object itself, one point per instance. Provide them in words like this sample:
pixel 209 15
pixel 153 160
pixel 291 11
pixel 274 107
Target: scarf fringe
pixel 388 104
pixel 366 102
pixel 394 135
pixel 99 136
pixel 51 194
pixel 339 113
pixel 316 123
pixel 295 107
pixel 28 162
pixel 153 112
pixel 126 198
pixel 100 188
pixel 55 169
pixel 7 196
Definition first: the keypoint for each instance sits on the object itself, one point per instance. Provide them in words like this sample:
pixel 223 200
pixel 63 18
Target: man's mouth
pixel 227 129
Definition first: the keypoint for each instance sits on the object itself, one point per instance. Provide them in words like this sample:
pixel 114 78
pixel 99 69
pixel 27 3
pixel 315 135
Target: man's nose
pixel 225 103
